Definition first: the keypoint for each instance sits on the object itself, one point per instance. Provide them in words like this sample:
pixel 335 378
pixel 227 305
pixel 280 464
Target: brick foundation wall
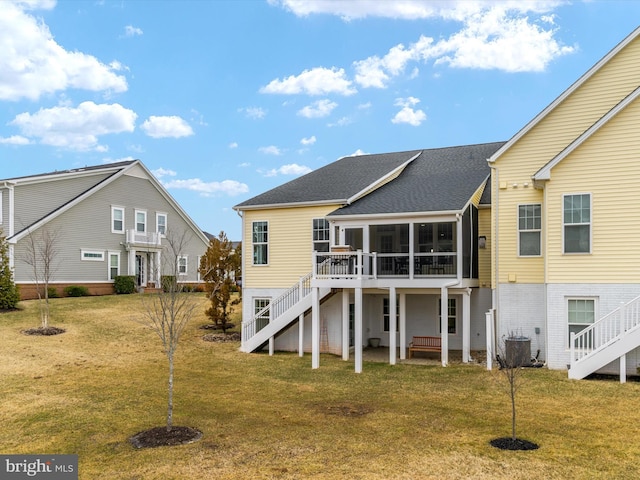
pixel 28 290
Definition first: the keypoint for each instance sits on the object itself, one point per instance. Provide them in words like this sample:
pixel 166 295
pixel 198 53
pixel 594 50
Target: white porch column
pixel 623 368
pixel 158 268
pixel 358 329
pixel 403 326
pixel 272 345
pixel 444 325
pixel 301 335
pixel 392 325
pixel 315 328
pixel 345 324
pixel 466 326
pixel 489 337
pixel 131 267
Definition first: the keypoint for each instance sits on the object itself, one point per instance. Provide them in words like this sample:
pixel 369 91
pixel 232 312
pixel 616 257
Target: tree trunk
pixel 170 402
pixel 513 411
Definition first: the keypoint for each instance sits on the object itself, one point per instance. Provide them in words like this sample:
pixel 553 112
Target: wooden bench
pixel 425 344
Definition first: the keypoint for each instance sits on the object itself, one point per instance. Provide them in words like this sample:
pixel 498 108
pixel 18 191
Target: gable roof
pixel 117 169
pixel 439 180
pixel 538 118
pixel 545 172
pixel 339 182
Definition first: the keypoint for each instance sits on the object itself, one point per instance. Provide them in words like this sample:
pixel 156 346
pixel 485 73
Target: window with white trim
pixel 320 235
pixel 161 223
pixel 141 221
pixel 92 255
pixel 581 312
pixel 114 265
pixel 386 314
pixel 117 220
pixel 452 316
pixel 262 320
pixel 260 240
pixel 529 230
pixel 182 265
pixel 577 223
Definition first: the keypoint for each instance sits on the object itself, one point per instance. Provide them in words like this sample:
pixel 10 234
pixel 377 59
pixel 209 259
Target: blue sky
pixel 223 100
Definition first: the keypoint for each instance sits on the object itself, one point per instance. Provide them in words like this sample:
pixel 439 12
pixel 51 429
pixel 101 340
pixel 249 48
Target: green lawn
pixel 86 391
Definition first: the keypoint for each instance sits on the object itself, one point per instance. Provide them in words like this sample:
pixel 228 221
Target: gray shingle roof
pixel 74 170
pixel 441 179
pixel 337 181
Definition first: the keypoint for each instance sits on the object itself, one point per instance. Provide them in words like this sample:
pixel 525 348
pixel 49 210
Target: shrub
pixel 124 284
pixel 76 291
pixel 168 283
pixel 52 292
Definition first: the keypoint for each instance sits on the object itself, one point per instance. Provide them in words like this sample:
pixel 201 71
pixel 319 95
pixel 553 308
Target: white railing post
pixel 623 322
pixel 572 348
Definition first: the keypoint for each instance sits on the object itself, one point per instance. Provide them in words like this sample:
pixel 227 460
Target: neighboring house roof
pixel 545 172
pixel 538 118
pixel 338 182
pixel 439 180
pixel 117 169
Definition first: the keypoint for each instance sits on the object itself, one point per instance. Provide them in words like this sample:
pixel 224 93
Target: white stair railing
pixel 605 331
pixel 277 307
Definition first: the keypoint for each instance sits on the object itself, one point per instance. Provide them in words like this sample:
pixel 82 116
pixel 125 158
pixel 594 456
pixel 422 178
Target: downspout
pixel 444 295
pixel 495 293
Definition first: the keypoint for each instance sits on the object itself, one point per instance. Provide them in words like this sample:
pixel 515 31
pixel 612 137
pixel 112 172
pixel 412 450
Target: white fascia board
pixel 603 61
pixel 545 172
pixel 341 201
pixel 79 172
pixel 393 216
pixel 383 180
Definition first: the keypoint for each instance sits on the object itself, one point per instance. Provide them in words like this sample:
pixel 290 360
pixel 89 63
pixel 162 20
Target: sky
pixel 223 100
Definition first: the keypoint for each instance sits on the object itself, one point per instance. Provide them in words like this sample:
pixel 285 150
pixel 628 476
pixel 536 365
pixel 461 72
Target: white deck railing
pixel 605 331
pixel 344 265
pixel 277 307
pixel 143 238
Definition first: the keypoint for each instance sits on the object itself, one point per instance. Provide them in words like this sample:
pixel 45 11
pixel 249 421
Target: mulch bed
pixel 163 437
pixel 222 337
pixel 508 443
pixel 48 331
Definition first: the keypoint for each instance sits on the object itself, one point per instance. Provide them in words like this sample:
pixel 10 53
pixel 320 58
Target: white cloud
pixel 290 169
pixel 207 189
pixel 317 81
pixel 341 122
pixel 33 64
pixel 407 114
pixel 270 150
pixel 357 153
pixel 162 172
pixel 255 113
pixel 167 126
pixel 244 164
pixel 319 109
pixel 131 31
pixel 14 140
pixel 76 128
pixel 308 141
pixel 233 145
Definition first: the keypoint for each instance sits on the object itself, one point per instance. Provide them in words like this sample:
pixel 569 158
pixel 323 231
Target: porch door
pixel 140 270
pixel 354 237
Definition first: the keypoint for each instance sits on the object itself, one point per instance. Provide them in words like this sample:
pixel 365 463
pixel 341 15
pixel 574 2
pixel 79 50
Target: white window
pixel 259 305
pixel 114 265
pixel 161 223
pixel 182 265
pixel 529 228
pixel 451 316
pixel 581 312
pixel 260 240
pixel 141 221
pixel 320 235
pixel 577 223
pixel 385 315
pixel 92 255
pixel 117 220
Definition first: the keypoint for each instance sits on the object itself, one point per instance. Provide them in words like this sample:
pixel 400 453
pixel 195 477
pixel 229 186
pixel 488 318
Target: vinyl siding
pixel 36 200
pixel 88 226
pixel 290 245
pixel 607 166
pixel 546 139
pixel 484 254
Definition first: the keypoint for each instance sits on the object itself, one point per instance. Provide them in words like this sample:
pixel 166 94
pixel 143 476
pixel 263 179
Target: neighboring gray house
pixel 109 220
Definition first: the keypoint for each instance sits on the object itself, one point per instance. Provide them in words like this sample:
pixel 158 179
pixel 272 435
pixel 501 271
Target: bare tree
pixel 41 253
pixel 168 311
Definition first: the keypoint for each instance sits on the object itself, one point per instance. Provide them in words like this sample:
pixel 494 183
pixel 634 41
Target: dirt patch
pixel 346 410
pixel 508 443
pixel 163 437
pixel 222 337
pixel 47 331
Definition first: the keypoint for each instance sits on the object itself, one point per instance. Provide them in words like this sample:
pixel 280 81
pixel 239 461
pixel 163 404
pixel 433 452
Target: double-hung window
pixel 182 265
pixel 577 223
pixel 529 227
pixel 320 235
pixel 451 316
pixel 581 312
pixel 260 240
pixel 141 221
pixel 386 315
pixel 114 265
pixel 161 223
pixel 261 315
pixel 117 220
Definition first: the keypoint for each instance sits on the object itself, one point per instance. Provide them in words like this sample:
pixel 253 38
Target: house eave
pixel 271 206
